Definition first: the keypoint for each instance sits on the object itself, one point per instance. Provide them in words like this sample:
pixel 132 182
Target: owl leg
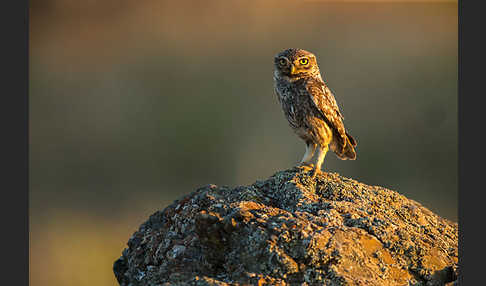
pixel 320 159
pixel 310 148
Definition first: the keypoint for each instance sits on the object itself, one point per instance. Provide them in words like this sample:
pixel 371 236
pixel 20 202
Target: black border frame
pixel 15 140
pixel 470 89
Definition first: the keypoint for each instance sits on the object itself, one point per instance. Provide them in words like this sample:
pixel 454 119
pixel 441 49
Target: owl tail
pixel 348 153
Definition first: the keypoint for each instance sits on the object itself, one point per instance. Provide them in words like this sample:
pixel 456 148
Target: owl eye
pixel 304 61
pixel 282 62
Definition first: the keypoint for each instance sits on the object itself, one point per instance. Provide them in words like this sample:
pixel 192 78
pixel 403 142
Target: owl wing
pixel 326 104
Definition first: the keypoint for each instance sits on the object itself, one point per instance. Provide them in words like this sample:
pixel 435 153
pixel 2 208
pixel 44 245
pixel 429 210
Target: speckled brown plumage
pixel 310 107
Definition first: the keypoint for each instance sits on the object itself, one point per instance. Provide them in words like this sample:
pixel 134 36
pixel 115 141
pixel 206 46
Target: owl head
pixel 296 63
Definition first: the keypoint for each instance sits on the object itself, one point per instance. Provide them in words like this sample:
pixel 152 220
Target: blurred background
pixel 136 103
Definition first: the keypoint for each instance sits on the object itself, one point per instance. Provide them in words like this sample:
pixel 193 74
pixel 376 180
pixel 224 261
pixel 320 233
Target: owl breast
pixel 291 107
pixel 301 112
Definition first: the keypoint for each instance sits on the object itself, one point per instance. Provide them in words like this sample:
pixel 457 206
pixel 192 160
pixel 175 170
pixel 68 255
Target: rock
pixel 292 230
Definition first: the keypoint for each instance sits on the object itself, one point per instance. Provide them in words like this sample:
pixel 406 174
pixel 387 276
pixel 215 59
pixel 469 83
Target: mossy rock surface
pixel 292 229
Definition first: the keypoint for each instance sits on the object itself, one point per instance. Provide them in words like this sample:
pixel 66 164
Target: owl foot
pixel 316 171
pixel 305 166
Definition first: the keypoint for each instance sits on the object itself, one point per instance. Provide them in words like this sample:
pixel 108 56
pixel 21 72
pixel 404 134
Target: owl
pixel 310 107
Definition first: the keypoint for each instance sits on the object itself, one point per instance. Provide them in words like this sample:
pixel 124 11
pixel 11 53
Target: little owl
pixel 310 107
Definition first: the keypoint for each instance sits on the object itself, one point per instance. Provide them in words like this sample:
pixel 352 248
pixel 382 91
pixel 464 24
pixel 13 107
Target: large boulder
pixel 292 229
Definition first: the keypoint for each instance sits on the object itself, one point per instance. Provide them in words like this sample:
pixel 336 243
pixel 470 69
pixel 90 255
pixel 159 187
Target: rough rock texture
pixel 292 230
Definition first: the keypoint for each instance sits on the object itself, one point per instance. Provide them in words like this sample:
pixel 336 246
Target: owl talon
pixel 306 166
pixel 314 174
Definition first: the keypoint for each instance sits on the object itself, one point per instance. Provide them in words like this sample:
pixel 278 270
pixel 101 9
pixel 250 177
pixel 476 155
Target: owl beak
pixel 293 70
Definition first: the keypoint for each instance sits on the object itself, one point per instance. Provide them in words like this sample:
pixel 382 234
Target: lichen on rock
pixel 292 229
